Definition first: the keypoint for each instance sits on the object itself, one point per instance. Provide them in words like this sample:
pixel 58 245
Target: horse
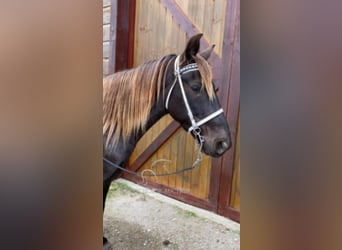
pixel 135 99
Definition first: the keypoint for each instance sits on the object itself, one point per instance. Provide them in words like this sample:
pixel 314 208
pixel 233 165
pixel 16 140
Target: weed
pixel 120 188
pixel 189 214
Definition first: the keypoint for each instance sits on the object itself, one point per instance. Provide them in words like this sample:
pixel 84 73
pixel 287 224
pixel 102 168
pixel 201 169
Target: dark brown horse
pixel 135 99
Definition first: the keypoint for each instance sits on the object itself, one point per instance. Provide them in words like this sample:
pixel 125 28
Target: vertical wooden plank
pixel 232 58
pixel 174 179
pixel 173 154
pixel 140 52
pixel 121 58
pixel 174 36
pixel 138 22
pixel 180 159
pixel 131 27
pixel 152 17
pixel 166 50
pixel 235 192
pixel 218 24
pixel 168 29
pixel 187 161
pixel 204 177
pixel 199 14
pixel 207 24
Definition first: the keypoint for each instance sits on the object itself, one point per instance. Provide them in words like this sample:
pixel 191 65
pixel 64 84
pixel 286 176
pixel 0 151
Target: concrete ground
pixel 137 218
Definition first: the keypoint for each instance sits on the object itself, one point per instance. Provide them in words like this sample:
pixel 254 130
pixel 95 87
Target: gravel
pixel 136 220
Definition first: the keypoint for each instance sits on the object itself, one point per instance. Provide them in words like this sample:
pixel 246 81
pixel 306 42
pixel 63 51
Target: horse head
pixel 192 100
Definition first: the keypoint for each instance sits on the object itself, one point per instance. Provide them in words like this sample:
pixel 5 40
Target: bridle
pixel 195 125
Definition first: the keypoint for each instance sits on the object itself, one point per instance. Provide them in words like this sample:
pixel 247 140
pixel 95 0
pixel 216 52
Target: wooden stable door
pixel 159 27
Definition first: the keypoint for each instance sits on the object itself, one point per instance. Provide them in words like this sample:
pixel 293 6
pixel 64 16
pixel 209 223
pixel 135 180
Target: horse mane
pixel 129 95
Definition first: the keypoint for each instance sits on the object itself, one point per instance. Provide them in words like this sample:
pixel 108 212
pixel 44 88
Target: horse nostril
pixel 222 146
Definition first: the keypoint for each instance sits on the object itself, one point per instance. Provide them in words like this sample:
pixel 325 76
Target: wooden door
pixel 162 27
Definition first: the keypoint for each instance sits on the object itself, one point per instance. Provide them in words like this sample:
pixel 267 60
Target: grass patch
pixel 174 246
pixel 236 232
pixel 189 214
pixel 120 188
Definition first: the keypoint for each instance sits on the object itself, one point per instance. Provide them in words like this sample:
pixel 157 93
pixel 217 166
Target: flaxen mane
pixel 128 96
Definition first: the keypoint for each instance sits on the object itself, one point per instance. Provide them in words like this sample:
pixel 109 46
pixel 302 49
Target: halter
pixel 195 125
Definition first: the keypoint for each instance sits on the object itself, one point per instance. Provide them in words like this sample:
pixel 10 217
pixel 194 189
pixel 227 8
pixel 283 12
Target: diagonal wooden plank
pixel 185 23
pixel 155 145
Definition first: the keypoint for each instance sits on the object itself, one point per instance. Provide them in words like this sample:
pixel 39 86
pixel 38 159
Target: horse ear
pixel 207 52
pixel 192 47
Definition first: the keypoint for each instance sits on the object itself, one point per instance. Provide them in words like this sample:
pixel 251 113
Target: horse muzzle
pixel 217 147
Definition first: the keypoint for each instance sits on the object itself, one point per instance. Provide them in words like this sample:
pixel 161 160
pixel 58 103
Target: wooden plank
pixel 174 40
pixel 139 23
pixel 173 167
pixel 188 148
pixel 132 10
pixel 124 45
pixel 180 159
pixel 174 193
pixel 206 28
pixel 218 24
pixel 139 54
pixel 235 193
pixel 230 213
pixel 161 51
pixel 204 177
pixel 167 49
pixel 198 14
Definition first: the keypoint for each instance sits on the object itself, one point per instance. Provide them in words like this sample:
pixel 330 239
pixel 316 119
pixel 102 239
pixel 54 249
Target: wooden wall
pixel 153 18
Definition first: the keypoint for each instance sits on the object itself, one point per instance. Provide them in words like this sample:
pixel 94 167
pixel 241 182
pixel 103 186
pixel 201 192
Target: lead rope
pixel 198 159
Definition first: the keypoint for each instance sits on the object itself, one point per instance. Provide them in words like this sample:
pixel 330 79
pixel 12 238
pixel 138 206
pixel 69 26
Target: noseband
pixel 195 125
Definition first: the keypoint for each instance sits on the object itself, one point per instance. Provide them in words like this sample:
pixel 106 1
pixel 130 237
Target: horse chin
pixel 210 151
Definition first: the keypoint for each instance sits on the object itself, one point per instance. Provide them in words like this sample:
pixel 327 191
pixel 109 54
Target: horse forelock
pixel 206 75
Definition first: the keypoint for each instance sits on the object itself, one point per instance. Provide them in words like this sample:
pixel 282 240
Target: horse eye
pixel 217 89
pixel 196 88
